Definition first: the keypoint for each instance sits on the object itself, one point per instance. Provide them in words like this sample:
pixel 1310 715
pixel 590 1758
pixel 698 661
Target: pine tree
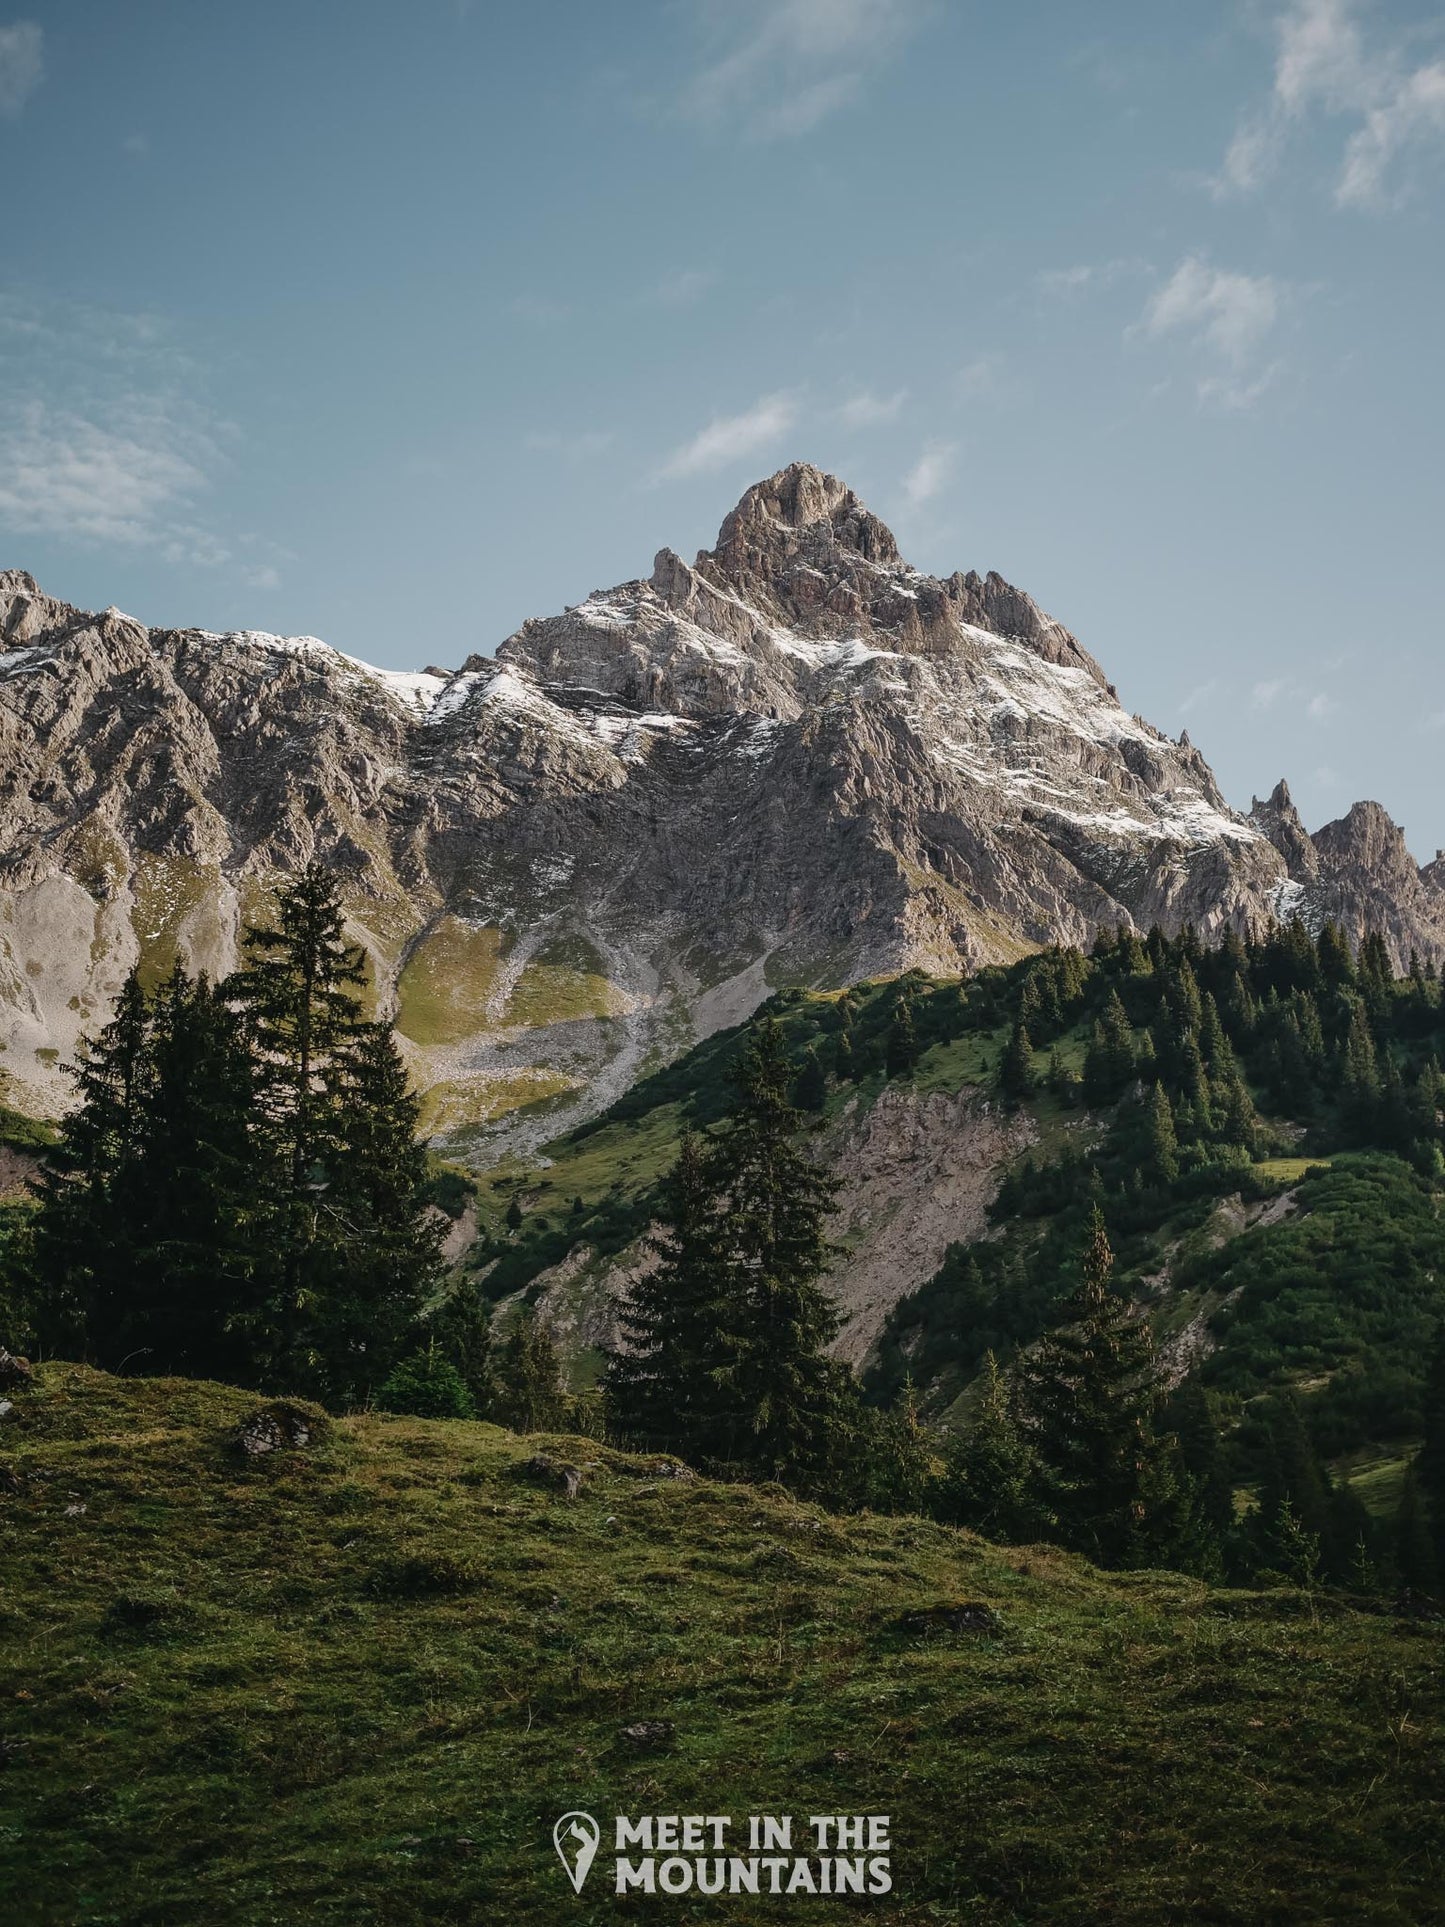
pixel 382 1243
pixel 812 1084
pixel 1016 1069
pixel 513 1218
pixel 902 1038
pixel 347 1242
pixel 782 1391
pixel 144 1226
pixel 1160 1138
pixel 1109 1062
pixel 666 1388
pixel 1086 1398
pixel 989 1471
pixel 528 1394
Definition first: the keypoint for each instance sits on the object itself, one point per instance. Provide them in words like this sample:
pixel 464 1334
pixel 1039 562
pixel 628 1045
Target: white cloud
pixel 1320 707
pixel 865 410
pixel 1323 64
pixel 105 436
pixel 1200 693
pixel 776 69
pixel 1231 313
pixel 929 473
pixel 122 480
pixel 729 438
pixel 1413 110
pixel 682 289
pixel 1264 695
pixel 987 378
pixel 22 64
pixel 1068 284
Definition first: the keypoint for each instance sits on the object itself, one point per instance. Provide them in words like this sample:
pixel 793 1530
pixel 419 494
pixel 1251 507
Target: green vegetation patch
pixel 168 890
pixel 448 982
pixel 358 1685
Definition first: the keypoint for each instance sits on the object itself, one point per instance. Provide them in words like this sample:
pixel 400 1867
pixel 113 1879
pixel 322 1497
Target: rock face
pixel 795 759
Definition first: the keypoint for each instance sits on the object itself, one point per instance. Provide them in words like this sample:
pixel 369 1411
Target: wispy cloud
pixel 125 479
pixel 1084 277
pixel 1321 707
pixel 683 288
pixel 1231 313
pixel 929 473
pixel 730 438
pixel 1199 694
pixel 22 64
pixel 1266 694
pixel 1225 315
pixel 106 437
pixel 777 69
pixel 1325 65
pixel 866 410
pixel 988 378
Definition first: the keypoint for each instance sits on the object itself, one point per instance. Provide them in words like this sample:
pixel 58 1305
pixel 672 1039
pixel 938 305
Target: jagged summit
pixel 796 759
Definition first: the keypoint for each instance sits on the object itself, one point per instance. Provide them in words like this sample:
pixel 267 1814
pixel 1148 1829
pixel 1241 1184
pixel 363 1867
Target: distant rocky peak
pixel 1278 819
pixel 1366 837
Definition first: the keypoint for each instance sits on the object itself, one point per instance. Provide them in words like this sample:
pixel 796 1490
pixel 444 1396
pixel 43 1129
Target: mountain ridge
pixel 795 759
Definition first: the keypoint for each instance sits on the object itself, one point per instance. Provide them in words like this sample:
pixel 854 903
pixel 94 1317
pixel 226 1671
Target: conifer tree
pixel 989 1475
pixel 144 1227
pixel 812 1084
pixel 528 1393
pixel 1086 1398
pixel 902 1038
pixel 1160 1137
pixel 1016 1069
pixel 348 1245
pixel 782 1391
pixel 666 1388
pixel 1109 1062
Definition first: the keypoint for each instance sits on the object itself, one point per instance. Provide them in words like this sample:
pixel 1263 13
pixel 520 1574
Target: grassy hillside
pixel 357 1684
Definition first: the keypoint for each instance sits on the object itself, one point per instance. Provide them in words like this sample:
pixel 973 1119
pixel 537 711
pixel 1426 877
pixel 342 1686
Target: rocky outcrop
pixel 794 759
pixel 1357 872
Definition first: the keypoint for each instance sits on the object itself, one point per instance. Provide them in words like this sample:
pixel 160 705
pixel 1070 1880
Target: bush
pixel 426 1385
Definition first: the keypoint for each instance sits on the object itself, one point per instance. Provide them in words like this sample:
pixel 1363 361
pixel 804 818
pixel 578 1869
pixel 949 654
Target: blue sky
pixel 396 323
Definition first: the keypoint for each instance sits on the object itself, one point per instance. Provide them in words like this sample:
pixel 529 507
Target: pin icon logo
pixel 575 1837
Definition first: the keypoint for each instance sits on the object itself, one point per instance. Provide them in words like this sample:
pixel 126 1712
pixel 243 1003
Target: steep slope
pixel 795 760
pixel 359 1683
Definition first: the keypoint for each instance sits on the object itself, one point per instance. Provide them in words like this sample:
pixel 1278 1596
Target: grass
pixel 449 979
pixel 358 1685
pixel 1290 1170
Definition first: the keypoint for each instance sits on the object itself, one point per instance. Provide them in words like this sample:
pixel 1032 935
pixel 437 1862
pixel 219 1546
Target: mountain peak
pixel 803 507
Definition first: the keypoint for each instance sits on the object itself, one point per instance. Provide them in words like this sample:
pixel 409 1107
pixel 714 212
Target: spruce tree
pixel 1086 1398
pixel 347 1245
pixel 902 1038
pixel 812 1084
pixel 1016 1070
pixel 665 1388
pixel 781 1392
pixel 528 1393
pixel 1160 1139
pixel 989 1476
pixel 146 1218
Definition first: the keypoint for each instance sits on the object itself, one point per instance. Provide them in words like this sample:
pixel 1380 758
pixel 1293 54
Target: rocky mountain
pixel 796 759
